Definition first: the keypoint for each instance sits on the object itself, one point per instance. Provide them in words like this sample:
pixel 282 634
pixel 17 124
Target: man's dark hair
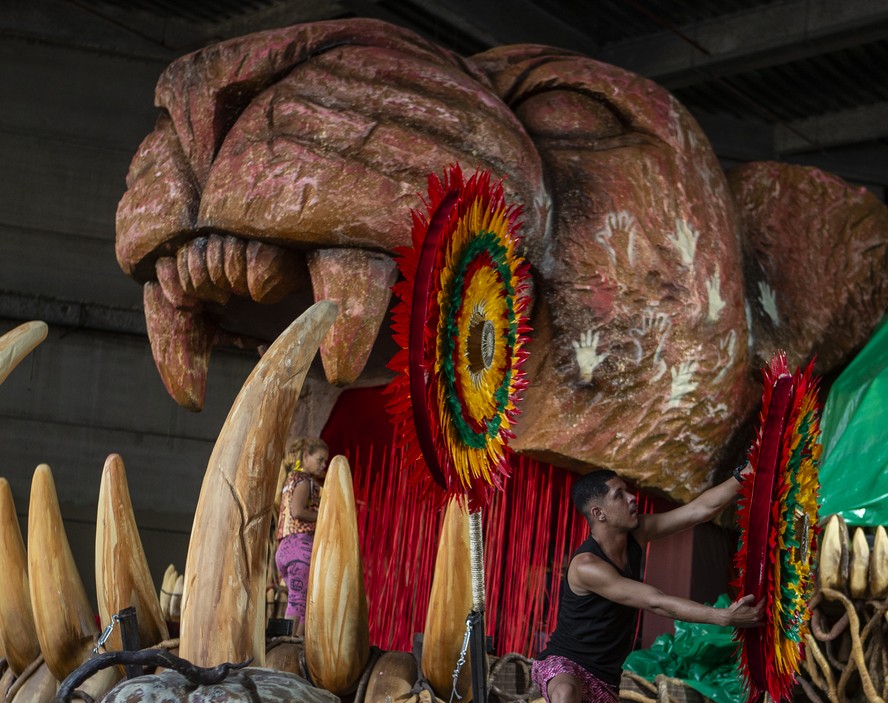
pixel 589 487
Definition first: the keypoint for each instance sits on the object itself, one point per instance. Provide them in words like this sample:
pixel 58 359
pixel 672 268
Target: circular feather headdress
pixel 461 327
pixel 778 527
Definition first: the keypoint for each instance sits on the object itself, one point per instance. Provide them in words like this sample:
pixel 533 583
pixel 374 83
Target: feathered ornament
pixel 778 528
pixel 461 326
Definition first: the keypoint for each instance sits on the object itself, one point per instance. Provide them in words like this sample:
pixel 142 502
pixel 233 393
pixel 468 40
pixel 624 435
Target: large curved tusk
pixel 450 601
pixel 223 606
pixel 17 632
pixel 337 631
pixel 62 614
pixel 16 344
pixel 123 578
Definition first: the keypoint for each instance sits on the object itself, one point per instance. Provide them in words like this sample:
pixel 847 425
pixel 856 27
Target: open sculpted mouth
pixel 223 290
pixel 272 182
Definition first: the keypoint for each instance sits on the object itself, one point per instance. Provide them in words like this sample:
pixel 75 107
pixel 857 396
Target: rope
pixel 172 643
pixel 865 624
pixel 476 560
pixel 20 681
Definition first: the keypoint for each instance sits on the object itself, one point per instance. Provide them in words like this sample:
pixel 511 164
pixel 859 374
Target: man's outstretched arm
pixel 596 575
pixel 703 508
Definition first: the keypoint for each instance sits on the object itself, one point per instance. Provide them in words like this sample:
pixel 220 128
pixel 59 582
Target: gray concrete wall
pixel 74 106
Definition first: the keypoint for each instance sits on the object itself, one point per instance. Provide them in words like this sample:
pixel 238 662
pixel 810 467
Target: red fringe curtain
pixel 530 531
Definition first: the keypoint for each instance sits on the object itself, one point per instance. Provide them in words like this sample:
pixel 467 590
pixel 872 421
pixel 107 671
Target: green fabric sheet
pixel 705 657
pixel 854 463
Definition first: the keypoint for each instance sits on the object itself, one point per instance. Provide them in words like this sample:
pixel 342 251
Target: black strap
pixel 478 654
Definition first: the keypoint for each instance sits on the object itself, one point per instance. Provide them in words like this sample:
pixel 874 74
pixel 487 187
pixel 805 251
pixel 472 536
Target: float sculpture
pixel 284 163
pixel 281 172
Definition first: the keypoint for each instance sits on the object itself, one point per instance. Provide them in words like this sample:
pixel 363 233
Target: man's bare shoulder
pixel 586 571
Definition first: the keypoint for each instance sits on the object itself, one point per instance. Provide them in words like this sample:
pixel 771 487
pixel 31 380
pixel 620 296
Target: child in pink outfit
pixel 300 499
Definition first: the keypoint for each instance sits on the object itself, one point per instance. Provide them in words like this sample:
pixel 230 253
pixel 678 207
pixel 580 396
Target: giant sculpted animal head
pixel 284 165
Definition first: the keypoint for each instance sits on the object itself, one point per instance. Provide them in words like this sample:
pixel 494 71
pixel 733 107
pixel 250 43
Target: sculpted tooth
pixel 223 605
pixel 449 603
pixel 359 282
pixel 272 272
pixel 337 636
pixel 216 262
pixel 184 272
pixel 204 288
pixel 181 341
pixel 122 575
pixel 63 616
pixel 167 271
pixel 235 264
pixel 16 344
pixel 17 632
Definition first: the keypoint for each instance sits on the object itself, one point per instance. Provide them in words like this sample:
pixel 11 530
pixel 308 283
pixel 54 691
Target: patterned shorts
pixel 594 689
pixel 292 558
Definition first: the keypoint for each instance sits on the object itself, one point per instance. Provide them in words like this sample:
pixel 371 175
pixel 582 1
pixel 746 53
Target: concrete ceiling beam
pixel 763 36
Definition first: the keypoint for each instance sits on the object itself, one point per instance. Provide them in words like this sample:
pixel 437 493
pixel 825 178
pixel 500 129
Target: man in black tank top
pixel 603 591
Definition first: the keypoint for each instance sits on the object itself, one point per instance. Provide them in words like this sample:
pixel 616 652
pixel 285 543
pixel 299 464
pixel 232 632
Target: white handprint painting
pixel 713 293
pixel 684 239
pixel 657 325
pixel 682 382
pixel 618 226
pixel 768 300
pixel 727 347
pixel 587 355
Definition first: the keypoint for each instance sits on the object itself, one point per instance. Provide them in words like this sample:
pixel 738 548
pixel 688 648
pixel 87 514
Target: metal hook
pixel 462 658
pixel 106 633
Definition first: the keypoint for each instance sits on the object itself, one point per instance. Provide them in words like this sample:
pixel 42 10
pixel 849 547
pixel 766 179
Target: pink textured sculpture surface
pixel 816 253
pixel 299 152
pixel 647 354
